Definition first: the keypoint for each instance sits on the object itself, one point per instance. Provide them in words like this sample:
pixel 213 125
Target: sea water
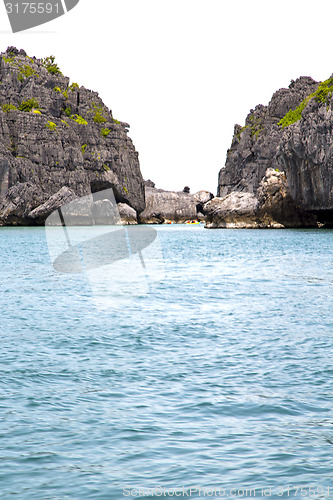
pixel 218 383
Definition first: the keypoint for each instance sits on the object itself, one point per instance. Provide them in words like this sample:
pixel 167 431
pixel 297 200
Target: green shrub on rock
pixel 51 125
pixel 73 86
pixel 8 60
pixel 51 66
pixel 79 119
pixel 8 107
pixel 99 118
pixel 25 72
pixel 105 132
pixel 324 91
pixel 321 95
pixel 28 105
pixel 294 115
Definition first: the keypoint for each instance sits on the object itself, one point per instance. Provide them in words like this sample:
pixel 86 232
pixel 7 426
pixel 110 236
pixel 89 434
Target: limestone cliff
pixel 293 135
pixel 54 134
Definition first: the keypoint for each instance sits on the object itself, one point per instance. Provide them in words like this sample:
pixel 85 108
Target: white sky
pixel 182 73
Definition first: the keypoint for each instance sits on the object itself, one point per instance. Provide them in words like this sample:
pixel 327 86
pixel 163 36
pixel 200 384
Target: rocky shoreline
pixel 59 142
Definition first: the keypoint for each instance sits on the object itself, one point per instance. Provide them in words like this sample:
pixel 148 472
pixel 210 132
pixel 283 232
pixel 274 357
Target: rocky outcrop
pixel 127 214
pixel 167 206
pixel 271 207
pixel 283 156
pixel 172 206
pixel 276 205
pixel 254 147
pixel 306 154
pixel 236 210
pixel 56 135
pixel 59 199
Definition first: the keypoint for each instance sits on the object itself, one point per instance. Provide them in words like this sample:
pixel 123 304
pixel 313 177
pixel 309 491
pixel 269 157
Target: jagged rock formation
pixel 54 135
pixel 305 153
pixel 172 206
pixel 271 207
pixel 292 136
pixel 254 146
pixel 167 206
pixel 127 214
pixel 236 210
pixel 59 199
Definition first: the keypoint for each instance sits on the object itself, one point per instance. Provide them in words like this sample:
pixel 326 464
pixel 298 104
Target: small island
pixel 59 142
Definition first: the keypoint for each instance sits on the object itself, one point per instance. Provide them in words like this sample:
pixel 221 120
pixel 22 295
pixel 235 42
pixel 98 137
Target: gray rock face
pixel 236 210
pixel 277 207
pixel 303 150
pixel 306 154
pixel 163 206
pixel 203 197
pixel 271 207
pixel 255 146
pixel 62 197
pixel 127 214
pixel 55 135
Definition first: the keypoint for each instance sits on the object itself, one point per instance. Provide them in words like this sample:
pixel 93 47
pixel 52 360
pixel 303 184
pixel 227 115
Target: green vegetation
pixel 83 148
pixel 79 119
pixel 116 121
pixel 105 132
pixel 98 111
pixel 51 125
pixel 68 111
pixel 321 95
pixel 294 115
pixel 8 60
pixel 25 72
pixel 255 126
pixel 28 105
pixel 106 167
pixel 51 66
pixel 324 91
pixel 125 189
pixel 36 111
pixel 99 118
pixel 73 86
pixel 8 107
pixel 65 123
pixel 64 93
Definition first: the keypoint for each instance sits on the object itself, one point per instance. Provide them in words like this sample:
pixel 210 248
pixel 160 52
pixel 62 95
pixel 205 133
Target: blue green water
pixel 222 378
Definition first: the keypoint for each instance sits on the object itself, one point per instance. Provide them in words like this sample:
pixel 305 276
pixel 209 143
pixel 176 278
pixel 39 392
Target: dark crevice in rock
pixel 98 186
pixel 324 217
pixel 199 208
